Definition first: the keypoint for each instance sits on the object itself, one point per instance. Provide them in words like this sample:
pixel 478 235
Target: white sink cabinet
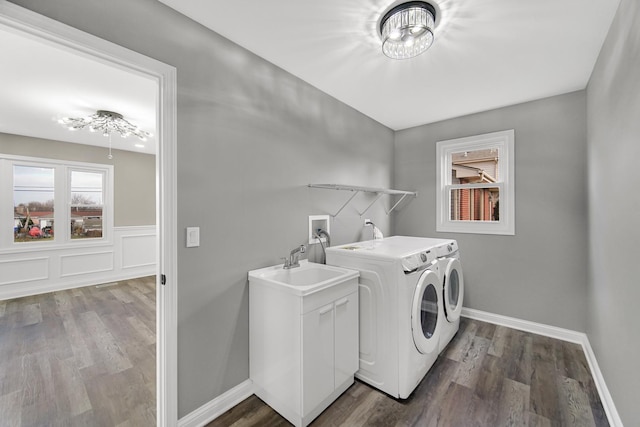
pixel 303 348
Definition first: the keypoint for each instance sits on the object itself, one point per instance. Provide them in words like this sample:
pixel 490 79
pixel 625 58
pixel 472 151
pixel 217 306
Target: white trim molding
pixel 218 406
pixel 525 325
pixel 560 334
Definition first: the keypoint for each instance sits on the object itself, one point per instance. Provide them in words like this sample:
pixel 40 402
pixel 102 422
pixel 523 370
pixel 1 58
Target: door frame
pixel 22 21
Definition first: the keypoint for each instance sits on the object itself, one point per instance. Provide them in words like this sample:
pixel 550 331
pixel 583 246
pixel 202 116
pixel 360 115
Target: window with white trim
pixel 475 181
pixel 52 203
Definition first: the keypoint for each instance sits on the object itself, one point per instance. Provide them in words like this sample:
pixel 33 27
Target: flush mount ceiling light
pixel 407 29
pixel 105 122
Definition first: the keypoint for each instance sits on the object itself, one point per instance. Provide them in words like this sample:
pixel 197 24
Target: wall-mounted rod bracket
pixel 346 203
pixel 397 203
pixel 374 200
pixel 356 189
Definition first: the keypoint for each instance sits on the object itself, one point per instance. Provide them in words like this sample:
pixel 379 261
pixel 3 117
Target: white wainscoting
pixel 131 254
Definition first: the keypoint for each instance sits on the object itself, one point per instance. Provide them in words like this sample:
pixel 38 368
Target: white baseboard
pixel 218 406
pixel 525 325
pixel 561 334
pixel 605 396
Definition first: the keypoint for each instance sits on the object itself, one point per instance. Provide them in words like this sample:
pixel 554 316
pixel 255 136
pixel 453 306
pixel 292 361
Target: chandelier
pixel 105 122
pixel 407 29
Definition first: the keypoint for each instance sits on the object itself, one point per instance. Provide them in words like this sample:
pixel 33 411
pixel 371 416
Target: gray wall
pixel 134 178
pixel 540 274
pixel 250 138
pixel 613 109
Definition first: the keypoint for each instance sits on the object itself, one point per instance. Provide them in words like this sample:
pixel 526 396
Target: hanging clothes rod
pixel 357 189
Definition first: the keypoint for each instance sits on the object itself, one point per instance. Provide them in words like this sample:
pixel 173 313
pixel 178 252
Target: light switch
pixel 193 237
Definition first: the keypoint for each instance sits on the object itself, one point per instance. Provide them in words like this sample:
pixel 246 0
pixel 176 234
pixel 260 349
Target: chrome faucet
pixel 292 261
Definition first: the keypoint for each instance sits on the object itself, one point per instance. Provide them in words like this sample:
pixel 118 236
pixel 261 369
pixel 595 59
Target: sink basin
pixel 306 279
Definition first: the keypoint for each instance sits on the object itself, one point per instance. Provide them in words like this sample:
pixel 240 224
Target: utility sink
pixel 306 279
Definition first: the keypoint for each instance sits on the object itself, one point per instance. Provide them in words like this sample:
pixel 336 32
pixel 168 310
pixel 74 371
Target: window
pixel 475 178
pixel 33 203
pixel 86 207
pixel 47 194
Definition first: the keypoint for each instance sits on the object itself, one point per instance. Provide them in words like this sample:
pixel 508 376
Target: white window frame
pixel 504 142
pixel 62 204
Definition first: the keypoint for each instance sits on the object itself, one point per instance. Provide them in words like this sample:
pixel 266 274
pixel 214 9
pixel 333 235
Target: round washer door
pixel 453 289
pixel 424 314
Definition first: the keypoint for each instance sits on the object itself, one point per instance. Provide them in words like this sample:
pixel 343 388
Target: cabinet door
pixel 317 356
pixel 346 338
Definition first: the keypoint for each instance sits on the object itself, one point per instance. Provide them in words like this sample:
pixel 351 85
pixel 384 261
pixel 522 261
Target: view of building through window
pixel 86 204
pixel 480 201
pixel 36 192
pixel 33 203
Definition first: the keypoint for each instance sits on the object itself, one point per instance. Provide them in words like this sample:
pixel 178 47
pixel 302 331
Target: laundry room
pixel 279 135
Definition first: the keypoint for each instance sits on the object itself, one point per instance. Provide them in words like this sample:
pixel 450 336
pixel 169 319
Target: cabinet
pixel 329 348
pixel 303 349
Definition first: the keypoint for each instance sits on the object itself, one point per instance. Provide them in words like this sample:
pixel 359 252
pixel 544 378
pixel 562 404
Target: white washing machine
pixel 452 289
pixel 401 311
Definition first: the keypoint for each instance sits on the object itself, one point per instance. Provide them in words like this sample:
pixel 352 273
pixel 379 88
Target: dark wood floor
pixel 488 376
pixel 82 357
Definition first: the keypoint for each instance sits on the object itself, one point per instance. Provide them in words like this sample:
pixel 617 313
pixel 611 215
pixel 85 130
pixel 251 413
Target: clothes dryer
pixel 401 309
pixel 452 290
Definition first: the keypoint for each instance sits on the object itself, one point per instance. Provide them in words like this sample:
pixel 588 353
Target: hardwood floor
pixel 81 357
pixel 488 376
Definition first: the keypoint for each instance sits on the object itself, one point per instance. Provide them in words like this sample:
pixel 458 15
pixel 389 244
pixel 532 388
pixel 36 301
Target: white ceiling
pixel 487 54
pixel 42 83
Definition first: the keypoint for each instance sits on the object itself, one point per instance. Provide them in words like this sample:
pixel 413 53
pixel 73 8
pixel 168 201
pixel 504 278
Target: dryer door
pixel 453 289
pixel 425 313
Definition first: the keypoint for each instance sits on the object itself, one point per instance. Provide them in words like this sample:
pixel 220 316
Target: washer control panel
pixel 418 261
pixel 447 249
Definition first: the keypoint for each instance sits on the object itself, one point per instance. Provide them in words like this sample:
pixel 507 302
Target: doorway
pixel 19 21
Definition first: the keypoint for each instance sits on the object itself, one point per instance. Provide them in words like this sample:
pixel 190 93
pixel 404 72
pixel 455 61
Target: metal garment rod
pixel 356 189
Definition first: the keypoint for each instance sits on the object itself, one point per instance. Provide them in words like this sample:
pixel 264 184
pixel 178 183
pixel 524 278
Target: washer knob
pixel 423 257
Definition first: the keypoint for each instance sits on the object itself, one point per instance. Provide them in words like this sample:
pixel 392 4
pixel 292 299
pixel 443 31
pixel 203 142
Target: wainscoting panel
pixel 86 263
pixel 24 270
pixel 135 250
pixel 131 254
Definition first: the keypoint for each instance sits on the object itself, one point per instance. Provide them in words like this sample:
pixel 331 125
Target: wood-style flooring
pixel 488 376
pixel 81 357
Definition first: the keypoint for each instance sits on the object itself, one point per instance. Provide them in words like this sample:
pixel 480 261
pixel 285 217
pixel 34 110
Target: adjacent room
pixel 350 213
pixel 78 270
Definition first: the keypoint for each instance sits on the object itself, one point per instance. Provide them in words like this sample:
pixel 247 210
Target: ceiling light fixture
pixel 106 122
pixel 407 29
